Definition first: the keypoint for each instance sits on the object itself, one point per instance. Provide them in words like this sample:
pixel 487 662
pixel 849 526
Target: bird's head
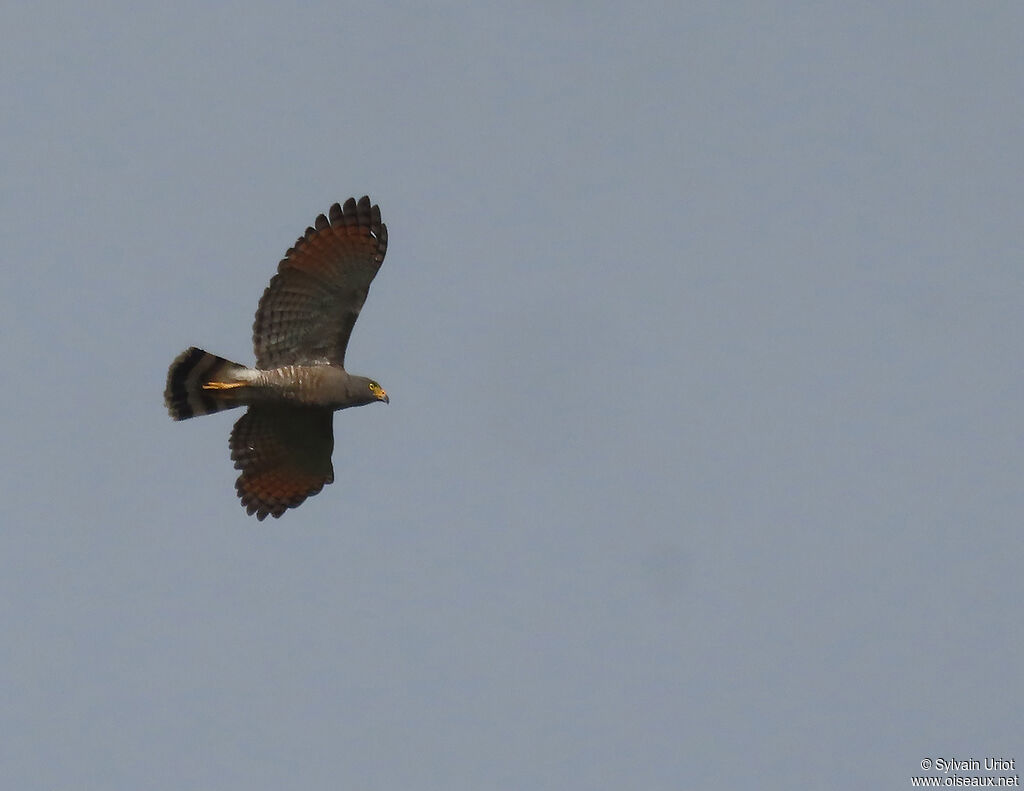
pixel 378 392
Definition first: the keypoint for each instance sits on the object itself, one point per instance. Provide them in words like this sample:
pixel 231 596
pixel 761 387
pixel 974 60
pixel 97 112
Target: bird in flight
pixel 283 442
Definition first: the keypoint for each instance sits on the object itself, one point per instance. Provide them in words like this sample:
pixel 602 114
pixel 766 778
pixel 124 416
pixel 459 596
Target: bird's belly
pixel 313 385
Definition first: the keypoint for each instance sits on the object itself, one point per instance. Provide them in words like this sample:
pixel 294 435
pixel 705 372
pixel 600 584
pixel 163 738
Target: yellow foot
pixel 223 385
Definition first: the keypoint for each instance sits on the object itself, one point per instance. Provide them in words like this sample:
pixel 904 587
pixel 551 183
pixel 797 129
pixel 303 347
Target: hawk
pixel 283 442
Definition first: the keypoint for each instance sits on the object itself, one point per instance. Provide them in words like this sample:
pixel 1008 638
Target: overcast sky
pixel 702 327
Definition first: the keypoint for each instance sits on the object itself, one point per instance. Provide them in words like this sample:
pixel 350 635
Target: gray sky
pixel 702 326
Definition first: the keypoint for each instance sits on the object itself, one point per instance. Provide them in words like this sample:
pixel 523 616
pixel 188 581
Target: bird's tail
pixel 199 383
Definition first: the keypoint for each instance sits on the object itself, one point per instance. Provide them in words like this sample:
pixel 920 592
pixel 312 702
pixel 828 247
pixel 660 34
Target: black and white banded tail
pixel 186 395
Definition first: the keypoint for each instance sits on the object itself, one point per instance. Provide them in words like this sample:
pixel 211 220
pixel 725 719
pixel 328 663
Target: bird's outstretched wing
pixel 284 453
pixel 305 316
